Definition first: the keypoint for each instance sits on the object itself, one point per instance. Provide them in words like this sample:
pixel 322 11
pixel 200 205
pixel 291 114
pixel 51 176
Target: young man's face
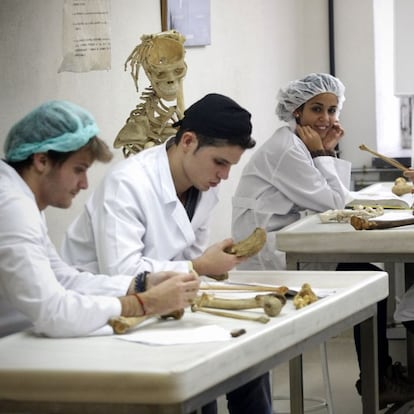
pixel 62 182
pixel 207 166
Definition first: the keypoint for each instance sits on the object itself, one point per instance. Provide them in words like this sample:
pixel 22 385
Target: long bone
pixel 261 319
pixel 359 223
pixel 388 160
pixel 121 324
pixel 256 288
pixel 271 303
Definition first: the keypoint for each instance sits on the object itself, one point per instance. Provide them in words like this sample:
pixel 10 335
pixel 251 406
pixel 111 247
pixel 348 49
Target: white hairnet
pixel 300 91
pixel 55 125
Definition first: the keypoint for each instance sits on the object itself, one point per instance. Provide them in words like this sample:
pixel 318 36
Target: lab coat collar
pixel 10 177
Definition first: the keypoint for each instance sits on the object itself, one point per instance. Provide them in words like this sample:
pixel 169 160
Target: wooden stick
pixel 390 161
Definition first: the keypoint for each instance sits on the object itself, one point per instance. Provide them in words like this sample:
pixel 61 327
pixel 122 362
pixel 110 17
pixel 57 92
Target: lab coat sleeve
pixel 405 308
pixel 316 184
pixel 28 282
pixel 86 282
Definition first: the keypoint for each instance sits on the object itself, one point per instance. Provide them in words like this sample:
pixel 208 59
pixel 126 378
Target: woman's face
pixel 320 113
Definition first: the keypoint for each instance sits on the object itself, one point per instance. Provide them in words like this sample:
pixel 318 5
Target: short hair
pixel 97 148
pixel 204 140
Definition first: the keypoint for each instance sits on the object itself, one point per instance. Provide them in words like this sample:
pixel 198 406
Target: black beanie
pixel 217 116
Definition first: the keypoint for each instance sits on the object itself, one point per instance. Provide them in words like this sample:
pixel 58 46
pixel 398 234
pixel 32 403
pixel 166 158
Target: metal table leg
pixel 296 385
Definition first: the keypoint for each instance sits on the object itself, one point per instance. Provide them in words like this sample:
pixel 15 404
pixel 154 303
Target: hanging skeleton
pixel 150 123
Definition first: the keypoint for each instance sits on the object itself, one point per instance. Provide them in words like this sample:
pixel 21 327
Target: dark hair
pixel 98 149
pixel 204 141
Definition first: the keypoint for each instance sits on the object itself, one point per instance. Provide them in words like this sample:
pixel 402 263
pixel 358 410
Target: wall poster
pixel 86 36
pixel 191 18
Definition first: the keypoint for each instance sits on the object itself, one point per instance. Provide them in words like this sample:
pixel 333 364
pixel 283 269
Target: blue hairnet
pixel 55 125
pixel 300 91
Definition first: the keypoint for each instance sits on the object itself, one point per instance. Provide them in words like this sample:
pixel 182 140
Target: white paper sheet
pixel 86 36
pixel 176 335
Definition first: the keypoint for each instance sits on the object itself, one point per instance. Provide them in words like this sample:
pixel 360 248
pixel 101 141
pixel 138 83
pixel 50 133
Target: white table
pixel 107 375
pixel 310 241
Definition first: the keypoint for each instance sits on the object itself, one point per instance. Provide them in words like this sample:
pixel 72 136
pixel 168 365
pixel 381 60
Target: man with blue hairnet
pixel 47 156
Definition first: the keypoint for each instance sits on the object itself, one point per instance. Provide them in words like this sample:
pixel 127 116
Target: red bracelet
pixel 141 303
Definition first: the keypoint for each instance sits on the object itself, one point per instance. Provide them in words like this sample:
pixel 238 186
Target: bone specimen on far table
pixel 401 186
pixel 344 215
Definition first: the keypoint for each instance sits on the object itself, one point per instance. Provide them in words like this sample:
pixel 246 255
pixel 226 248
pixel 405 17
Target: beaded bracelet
pixel 139 299
pixel 322 153
pixel 141 281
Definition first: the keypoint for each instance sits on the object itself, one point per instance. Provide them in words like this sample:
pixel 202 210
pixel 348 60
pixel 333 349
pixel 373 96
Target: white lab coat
pixel 134 221
pixel 279 184
pixel 405 308
pixel 36 287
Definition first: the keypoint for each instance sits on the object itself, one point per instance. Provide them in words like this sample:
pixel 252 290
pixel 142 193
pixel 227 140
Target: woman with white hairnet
pixel 296 169
pixel 47 156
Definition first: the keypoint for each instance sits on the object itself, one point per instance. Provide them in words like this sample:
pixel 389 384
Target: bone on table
pixel 359 223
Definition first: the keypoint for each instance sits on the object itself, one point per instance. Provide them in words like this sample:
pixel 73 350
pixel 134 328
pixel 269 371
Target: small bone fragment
pixel 304 297
pixel 237 332
pixel 401 186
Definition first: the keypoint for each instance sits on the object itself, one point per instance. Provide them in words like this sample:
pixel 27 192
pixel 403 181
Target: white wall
pixel 355 66
pixel 256 47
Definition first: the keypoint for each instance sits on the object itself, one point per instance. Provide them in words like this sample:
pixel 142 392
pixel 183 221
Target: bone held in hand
pixel 271 303
pixel 359 223
pixel 249 246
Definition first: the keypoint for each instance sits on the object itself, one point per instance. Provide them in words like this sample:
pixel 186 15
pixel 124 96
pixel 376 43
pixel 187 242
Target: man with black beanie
pixel 152 212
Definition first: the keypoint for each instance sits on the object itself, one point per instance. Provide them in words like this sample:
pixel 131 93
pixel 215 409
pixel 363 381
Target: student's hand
pixel 156 278
pixel 310 138
pixel 214 261
pixel 333 137
pixel 177 291
pixel 409 174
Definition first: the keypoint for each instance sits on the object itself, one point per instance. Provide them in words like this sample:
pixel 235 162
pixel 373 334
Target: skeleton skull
pixel 165 67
